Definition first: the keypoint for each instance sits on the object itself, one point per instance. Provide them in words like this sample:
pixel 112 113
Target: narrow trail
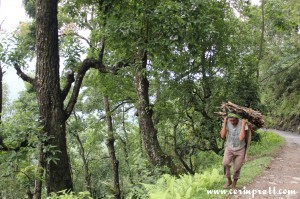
pixel 282 174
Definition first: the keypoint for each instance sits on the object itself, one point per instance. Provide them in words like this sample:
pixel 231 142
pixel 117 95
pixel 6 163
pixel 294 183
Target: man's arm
pixel 243 130
pixel 223 131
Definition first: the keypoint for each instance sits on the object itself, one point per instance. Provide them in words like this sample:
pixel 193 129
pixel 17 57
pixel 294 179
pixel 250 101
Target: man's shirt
pixel 233 136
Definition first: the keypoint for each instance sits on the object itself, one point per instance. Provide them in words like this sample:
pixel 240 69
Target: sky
pixel 11 14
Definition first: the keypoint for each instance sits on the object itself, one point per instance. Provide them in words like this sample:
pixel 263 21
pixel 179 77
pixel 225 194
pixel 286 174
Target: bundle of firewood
pixel 254 117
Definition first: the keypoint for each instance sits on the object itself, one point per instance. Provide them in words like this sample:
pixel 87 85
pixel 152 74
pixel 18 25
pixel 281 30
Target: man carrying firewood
pixel 234 130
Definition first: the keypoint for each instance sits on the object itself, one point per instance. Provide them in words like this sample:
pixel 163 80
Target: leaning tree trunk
pixel 111 149
pixel 51 110
pixel 149 133
pixel 87 175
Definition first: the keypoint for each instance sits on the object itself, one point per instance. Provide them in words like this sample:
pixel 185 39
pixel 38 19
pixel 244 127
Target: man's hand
pixel 223 131
pixel 225 120
pixel 244 122
pixel 243 131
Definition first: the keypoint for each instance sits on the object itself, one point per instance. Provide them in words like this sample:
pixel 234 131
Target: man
pixel 235 133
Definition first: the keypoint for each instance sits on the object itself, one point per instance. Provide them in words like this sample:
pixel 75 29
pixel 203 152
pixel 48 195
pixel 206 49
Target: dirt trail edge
pixel 282 174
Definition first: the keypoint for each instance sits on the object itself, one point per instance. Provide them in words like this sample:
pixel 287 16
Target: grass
pixel 252 169
pixel 268 146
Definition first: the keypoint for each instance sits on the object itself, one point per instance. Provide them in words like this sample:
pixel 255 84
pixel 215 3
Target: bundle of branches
pixel 254 117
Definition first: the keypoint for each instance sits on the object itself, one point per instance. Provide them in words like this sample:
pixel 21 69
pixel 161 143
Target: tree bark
pixel 261 37
pixel 145 112
pixel 51 110
pixel 87 175
pixel 40 170
pixel 111 149
pixel 126 148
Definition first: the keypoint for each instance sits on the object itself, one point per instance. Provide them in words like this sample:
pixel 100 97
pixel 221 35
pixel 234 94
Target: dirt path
pixel 282 174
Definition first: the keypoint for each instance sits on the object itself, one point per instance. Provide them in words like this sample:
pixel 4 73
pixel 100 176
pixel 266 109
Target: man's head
pixel 233 118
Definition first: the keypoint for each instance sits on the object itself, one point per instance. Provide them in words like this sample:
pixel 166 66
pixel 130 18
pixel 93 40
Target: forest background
pixel 131 103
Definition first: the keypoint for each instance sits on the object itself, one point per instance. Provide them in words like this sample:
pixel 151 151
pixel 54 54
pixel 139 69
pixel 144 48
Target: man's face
pixel 233 121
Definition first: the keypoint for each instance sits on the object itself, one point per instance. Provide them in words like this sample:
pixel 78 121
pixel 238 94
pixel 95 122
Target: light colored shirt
pixel 233 137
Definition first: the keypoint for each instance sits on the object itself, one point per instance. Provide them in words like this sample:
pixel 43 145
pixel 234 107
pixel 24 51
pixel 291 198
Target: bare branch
pixel 66 89
pixel 87 24
pixel 96 64
pixel 83 38
pixel 85 66
pixel 80 75
pixel 25 77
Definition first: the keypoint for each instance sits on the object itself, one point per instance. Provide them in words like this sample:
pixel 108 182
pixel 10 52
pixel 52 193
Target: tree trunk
pixel 51 110
pixel 149 133
pixel 29 194
pixel 111 149
pixel 261 37
pixel 87 176
pixel 40 170
pixel 126 148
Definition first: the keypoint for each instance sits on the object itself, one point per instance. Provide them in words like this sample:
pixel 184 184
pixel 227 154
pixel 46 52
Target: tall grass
pixel 270 143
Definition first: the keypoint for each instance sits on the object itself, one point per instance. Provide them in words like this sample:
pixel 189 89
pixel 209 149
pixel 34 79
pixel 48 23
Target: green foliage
pixel 205 160
pixel 71 50
pixel 19 132
pixel 24 48
pixel 65 195
pixel 268 144
pixel 200 54
pixel 29 7
pixel 280 65
pixel 187 186
pixel 195 186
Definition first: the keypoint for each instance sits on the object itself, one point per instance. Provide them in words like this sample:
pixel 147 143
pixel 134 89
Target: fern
pixel 64 195
pixel 184 187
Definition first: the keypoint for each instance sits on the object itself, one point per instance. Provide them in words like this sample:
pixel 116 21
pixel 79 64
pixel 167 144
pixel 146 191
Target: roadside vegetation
pixel 195 187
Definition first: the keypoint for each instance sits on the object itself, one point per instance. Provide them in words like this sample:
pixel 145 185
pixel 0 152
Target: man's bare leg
pixel 234 183
pixel 227 185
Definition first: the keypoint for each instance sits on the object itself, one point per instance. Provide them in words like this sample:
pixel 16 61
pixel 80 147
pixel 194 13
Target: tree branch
pixel 101 54
pixel 96 64
pixel 5 148
pixel 85 66
pixel 66 89
pixel 83 38
pixel 80 75
pixel 23 76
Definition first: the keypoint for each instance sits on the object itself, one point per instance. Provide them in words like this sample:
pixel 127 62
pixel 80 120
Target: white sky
pixel 11 14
